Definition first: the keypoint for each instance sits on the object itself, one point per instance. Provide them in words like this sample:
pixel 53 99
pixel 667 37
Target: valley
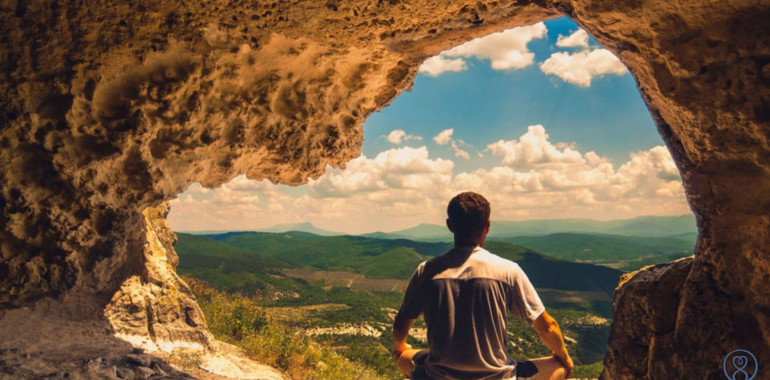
pixel 342 292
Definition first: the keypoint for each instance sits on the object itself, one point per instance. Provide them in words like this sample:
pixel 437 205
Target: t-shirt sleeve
pixel 412 306
pixel 524 301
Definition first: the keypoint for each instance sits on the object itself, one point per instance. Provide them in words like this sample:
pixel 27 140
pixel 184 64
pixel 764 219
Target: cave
pixel 110 110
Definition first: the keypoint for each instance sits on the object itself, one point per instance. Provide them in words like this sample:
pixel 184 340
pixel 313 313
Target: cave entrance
pixel 540 119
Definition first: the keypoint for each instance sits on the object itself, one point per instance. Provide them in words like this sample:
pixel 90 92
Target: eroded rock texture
pixel 112 108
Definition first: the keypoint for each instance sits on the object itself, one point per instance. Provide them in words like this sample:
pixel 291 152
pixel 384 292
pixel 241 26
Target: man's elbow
pixel 545 323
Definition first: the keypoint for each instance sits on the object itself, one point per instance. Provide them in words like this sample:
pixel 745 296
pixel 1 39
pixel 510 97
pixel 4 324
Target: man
pixel 465 296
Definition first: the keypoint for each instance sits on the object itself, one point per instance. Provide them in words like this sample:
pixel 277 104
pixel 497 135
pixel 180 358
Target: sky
pixel 540 119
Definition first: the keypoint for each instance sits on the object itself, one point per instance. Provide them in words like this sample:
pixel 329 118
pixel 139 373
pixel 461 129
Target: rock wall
pixel 108 109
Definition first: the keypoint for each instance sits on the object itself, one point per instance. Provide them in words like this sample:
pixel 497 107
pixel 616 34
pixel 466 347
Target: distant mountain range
pixel 301 227
pixel 682 226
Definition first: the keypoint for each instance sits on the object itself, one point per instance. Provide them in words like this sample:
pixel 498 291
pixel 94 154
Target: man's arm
pixel 550 334
pixel 400 331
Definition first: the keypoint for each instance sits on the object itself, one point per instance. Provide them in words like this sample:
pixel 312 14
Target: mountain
pixel 333 253
pixel 301 227
pixel 598 248
pixel 374 258
pixel 421 232
pixel 654 226
pixel 682 226
pixel 553 273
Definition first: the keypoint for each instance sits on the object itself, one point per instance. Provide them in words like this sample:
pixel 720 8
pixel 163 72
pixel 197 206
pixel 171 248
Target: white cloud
pixel 581 67
pixel 401 187
pixel 397 136
pixel 533 148
pixel 444 136
pixel 507 50
pixel 439 64
pixel 578 39
pixel 394 169
pixel 460 152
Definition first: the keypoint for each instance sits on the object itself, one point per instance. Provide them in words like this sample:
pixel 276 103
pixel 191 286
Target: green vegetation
pixel 241 321
pixel 596 248
pixel 632 265
pixel 296 322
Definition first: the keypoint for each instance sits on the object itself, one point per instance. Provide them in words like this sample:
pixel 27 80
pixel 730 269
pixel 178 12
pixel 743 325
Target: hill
pixel 421 232
pixel 374 258
pixel 337 253
pixel 682 226
pixel 301 227
pixel 596 248
pixel 552 273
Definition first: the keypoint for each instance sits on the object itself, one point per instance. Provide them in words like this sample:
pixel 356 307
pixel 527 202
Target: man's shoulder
pixel 495 259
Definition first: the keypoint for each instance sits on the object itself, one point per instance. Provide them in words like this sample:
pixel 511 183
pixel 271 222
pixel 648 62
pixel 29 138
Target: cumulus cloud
pixel 506 50
pixel 439 64
pixel 397 136
pixel 578 39
pixel 444 137
pixel 401 168
pixel 534 148
pixel 401 187
pixel 538 177
pixel 459 152
pixel 581 67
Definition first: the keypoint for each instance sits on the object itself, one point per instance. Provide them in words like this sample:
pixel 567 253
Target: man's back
pixel 465 296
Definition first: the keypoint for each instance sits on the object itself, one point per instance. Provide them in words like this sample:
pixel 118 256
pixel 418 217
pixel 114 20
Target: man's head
pixel 468 215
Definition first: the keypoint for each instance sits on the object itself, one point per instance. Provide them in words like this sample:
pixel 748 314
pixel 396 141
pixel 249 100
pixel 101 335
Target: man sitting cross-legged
pixel 465 296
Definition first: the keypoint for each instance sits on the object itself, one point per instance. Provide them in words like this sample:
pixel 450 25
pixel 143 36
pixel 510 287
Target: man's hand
pixel 566 361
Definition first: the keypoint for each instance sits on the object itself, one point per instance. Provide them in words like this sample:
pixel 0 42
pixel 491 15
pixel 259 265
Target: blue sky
pixel 483 105
pixel 540 119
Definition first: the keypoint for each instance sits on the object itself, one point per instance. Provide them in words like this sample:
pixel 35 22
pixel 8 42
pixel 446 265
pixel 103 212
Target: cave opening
pixel 541 119
pixel 114 109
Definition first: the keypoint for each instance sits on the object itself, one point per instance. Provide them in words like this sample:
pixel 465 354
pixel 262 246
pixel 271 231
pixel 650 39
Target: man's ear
pixel 486 227
pixel 450 225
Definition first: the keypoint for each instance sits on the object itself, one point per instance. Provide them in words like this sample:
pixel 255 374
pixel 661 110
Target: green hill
pixel 200 251
pixel 597 248
pixel 335 253
pixel 255 252
pixel 552 273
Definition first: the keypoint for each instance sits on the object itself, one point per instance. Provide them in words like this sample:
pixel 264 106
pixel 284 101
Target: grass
pixel 241 321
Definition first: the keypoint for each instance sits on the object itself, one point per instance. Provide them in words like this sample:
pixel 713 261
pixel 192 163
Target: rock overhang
pixel 113 108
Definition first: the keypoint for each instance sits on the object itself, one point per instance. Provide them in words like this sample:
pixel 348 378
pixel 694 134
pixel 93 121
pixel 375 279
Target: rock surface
pixel 108 109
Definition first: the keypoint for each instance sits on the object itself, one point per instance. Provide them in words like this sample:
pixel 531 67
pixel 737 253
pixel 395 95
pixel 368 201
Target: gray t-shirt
pixel 465 295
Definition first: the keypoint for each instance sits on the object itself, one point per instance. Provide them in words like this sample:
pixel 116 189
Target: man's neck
pixel 461 243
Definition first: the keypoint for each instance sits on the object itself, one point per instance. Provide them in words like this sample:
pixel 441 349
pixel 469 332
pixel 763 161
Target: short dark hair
pixel 469 213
